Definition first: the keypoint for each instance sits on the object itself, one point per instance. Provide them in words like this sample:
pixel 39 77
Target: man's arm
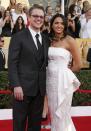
pixel 13 61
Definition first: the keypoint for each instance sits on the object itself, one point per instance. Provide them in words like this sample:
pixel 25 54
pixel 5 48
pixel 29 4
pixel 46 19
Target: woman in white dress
pixel 61 81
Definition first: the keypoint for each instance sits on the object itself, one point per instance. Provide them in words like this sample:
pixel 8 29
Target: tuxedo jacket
pixel 23 66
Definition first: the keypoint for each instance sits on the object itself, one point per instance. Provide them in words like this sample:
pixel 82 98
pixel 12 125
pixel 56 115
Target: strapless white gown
pixel 61 83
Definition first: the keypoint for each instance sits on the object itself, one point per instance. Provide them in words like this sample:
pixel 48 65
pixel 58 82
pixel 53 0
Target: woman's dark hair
pixel 18 20
pixel 52 33
pixel 0 14
pixel 5 13
pixel 16 26
pixel 71 8
pixel 84 2
pixel 11 2
pixel 46 10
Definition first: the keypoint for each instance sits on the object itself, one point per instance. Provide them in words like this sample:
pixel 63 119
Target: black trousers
pixel 27 114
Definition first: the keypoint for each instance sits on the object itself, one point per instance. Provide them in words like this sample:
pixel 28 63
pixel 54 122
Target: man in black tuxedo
pixel 27 62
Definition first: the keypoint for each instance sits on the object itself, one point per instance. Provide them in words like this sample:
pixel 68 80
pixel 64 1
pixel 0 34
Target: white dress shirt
pixel 33 33
pixel 85 31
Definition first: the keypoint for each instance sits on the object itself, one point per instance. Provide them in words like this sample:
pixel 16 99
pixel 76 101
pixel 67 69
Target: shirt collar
pixel 33 32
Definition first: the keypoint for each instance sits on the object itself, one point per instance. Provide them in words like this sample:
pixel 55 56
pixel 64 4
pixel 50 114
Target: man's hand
pixel 18 93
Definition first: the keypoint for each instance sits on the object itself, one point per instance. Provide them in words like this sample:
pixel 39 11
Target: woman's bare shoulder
pixel 70 40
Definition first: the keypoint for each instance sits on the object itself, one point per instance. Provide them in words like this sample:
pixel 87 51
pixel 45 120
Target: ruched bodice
pixel 59 57
pixel 60 84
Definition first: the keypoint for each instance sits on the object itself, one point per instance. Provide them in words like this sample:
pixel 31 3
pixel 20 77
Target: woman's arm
pixel 76 65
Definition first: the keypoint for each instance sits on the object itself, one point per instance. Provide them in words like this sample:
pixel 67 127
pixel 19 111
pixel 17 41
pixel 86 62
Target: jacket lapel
pixel 32 44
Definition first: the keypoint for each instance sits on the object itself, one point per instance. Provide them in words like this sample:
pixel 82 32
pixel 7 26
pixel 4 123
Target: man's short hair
pixel 35 6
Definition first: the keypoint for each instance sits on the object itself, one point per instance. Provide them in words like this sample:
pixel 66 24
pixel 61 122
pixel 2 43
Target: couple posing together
pixel 39 66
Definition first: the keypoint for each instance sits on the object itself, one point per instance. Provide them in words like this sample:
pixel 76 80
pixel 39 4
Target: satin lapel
pixel 32 44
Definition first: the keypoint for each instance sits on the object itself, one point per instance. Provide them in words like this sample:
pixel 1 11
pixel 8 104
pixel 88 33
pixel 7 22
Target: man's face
pixel 12 1
pixel 36 19
pixel 79 2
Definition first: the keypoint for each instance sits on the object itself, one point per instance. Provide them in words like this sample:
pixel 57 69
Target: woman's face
pixel 49 11
pixel 12 1
pixel 58 26
pixel 7 13
pixel 19 7
pixel 85 3
pixel 69 16
pixel 46 18
pixel 74 13
pixel 20 20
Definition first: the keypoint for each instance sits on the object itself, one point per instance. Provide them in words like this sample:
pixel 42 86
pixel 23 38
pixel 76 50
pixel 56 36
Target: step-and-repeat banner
pixel 84 45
